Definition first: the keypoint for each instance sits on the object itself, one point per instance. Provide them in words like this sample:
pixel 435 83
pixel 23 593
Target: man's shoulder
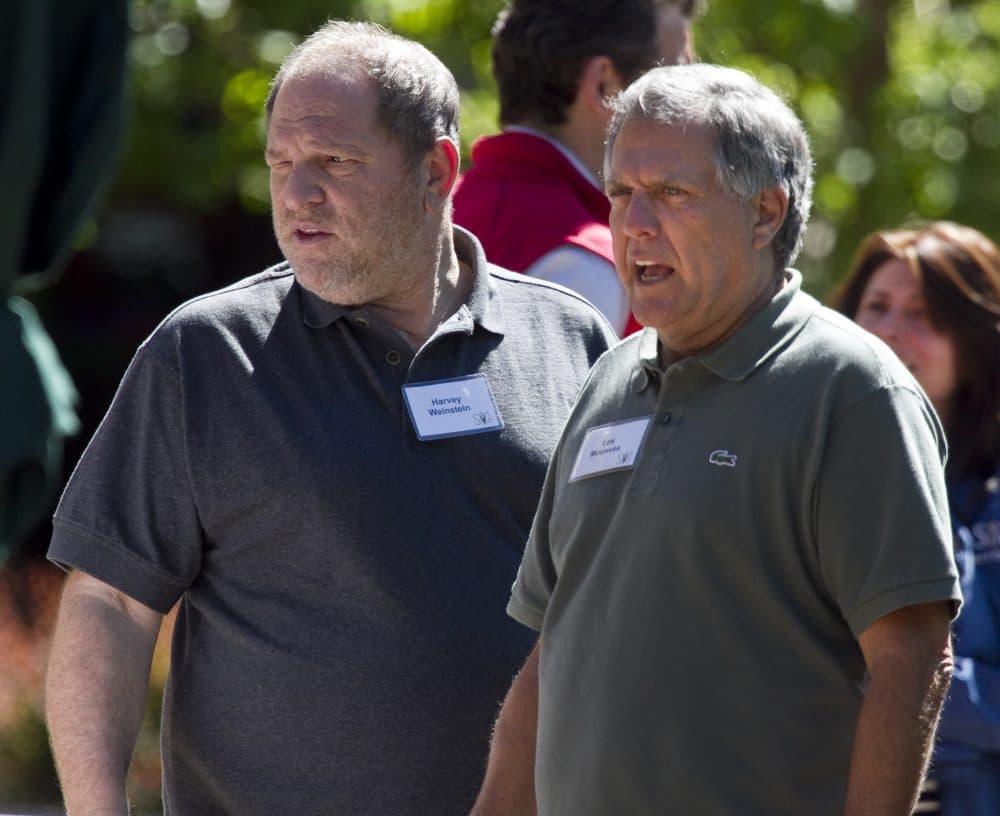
pixel 530 184
pixel 837 347
pixel 237 312
pixel 549 313
pixel 530 190
pixel 531 294
pixel 253 296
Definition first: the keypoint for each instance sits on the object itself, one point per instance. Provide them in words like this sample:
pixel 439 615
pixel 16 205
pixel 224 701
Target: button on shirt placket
pixel 388 354
pixel 393 355
pixel 666 425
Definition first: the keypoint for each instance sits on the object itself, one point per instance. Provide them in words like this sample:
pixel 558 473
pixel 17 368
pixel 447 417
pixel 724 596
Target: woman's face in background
pixel 893 308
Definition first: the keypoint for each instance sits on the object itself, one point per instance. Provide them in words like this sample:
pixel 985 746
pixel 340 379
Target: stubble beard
pixel 393 245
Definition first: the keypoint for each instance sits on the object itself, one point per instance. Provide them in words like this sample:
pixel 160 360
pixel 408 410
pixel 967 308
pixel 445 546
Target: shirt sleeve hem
pixel 74 546
pixel 525 614
pixel 941 589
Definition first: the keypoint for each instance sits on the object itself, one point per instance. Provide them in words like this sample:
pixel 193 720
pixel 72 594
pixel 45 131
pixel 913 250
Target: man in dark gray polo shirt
pixel 332 466
pixel 741 566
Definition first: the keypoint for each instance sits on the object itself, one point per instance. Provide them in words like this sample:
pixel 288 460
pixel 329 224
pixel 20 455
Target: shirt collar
pixel 756 341
pixel 567 153
pixel 482 304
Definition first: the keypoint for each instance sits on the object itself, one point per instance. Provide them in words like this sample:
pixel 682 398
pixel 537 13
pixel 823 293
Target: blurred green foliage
pixel 200 74
pixel 901 97
pixel 26 766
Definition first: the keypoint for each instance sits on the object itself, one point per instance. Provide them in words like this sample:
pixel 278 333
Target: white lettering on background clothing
pixel 609 448
pixel 455 407
pixel 586 274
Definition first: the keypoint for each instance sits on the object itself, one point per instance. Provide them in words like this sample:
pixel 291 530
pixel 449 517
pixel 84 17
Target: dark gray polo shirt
pixel 700 609
pixel 341 645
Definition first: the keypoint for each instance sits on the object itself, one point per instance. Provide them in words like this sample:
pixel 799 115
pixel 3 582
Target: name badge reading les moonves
pixel 455 407
pixel 608 448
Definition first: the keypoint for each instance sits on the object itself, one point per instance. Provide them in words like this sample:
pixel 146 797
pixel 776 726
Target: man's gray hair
pixel 760 143
pixel 418 101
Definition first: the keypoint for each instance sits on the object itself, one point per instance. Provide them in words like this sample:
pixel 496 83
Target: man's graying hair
pixel 760 143
pixel 418 100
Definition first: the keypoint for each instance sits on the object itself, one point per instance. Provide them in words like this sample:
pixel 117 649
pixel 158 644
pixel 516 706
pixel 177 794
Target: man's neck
pixel 672 351
pixel 417 312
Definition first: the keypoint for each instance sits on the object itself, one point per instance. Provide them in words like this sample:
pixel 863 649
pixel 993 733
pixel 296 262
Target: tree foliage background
pixel 901 99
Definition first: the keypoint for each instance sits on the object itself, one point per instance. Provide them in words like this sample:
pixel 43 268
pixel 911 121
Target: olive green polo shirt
pixel 700 609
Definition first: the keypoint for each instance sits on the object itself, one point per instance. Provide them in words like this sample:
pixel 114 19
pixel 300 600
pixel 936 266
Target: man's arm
pixel 908 654
pixel 509 786
pixel 96 687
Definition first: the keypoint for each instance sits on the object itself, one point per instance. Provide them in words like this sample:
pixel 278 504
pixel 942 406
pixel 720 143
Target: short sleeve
pixel 882 524
pixel 536 577
pixel 128 516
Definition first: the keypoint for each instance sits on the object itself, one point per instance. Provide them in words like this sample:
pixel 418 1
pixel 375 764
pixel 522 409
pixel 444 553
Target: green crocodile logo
pixel 723 457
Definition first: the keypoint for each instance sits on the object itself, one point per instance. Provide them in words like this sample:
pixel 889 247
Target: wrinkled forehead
pixel 321 108
pixel 321 92
pixel 650 154
pixel 658 128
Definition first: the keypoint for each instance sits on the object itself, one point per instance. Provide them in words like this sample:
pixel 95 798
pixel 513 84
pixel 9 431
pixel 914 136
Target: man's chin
pixel 329 285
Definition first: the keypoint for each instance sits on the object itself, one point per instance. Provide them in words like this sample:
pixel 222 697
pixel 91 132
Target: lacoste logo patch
pixel 723 458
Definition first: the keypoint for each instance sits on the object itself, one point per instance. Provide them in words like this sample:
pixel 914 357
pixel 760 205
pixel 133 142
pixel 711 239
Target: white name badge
pixel 456 407
pixel 611 447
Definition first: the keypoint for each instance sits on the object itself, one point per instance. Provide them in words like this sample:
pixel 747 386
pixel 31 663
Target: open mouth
pixel 648 272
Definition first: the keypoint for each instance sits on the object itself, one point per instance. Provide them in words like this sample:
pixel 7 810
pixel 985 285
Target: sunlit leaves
pixel 823 116
pixel 901 98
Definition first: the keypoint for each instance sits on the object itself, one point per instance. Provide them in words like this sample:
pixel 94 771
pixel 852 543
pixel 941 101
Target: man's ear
pixel 599 80
pixel 772 207
pixel 442 172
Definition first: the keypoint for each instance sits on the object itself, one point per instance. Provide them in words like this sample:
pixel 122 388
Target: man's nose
pixel 639 220
pixel 302 188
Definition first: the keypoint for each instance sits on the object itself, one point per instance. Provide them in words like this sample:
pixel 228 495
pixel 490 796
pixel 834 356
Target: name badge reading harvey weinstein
pixel 611 447
pixel 456 407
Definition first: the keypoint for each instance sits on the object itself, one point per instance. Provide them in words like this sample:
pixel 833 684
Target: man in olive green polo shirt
pixel 740 568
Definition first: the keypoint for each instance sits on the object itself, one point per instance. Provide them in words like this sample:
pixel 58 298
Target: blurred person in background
pixel 62 73
pixel 533 194
pixel 933 295
pixel 332 466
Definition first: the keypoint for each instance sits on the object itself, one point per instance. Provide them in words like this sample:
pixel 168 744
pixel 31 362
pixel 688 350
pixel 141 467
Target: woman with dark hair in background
pixel 933 295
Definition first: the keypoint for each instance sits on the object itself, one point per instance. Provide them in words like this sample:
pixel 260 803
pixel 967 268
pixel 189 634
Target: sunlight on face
pixel 684 247
pixel 346 209
pixel 893 308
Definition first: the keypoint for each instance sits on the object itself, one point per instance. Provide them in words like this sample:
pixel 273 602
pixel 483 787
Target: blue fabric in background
pixel 967 757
